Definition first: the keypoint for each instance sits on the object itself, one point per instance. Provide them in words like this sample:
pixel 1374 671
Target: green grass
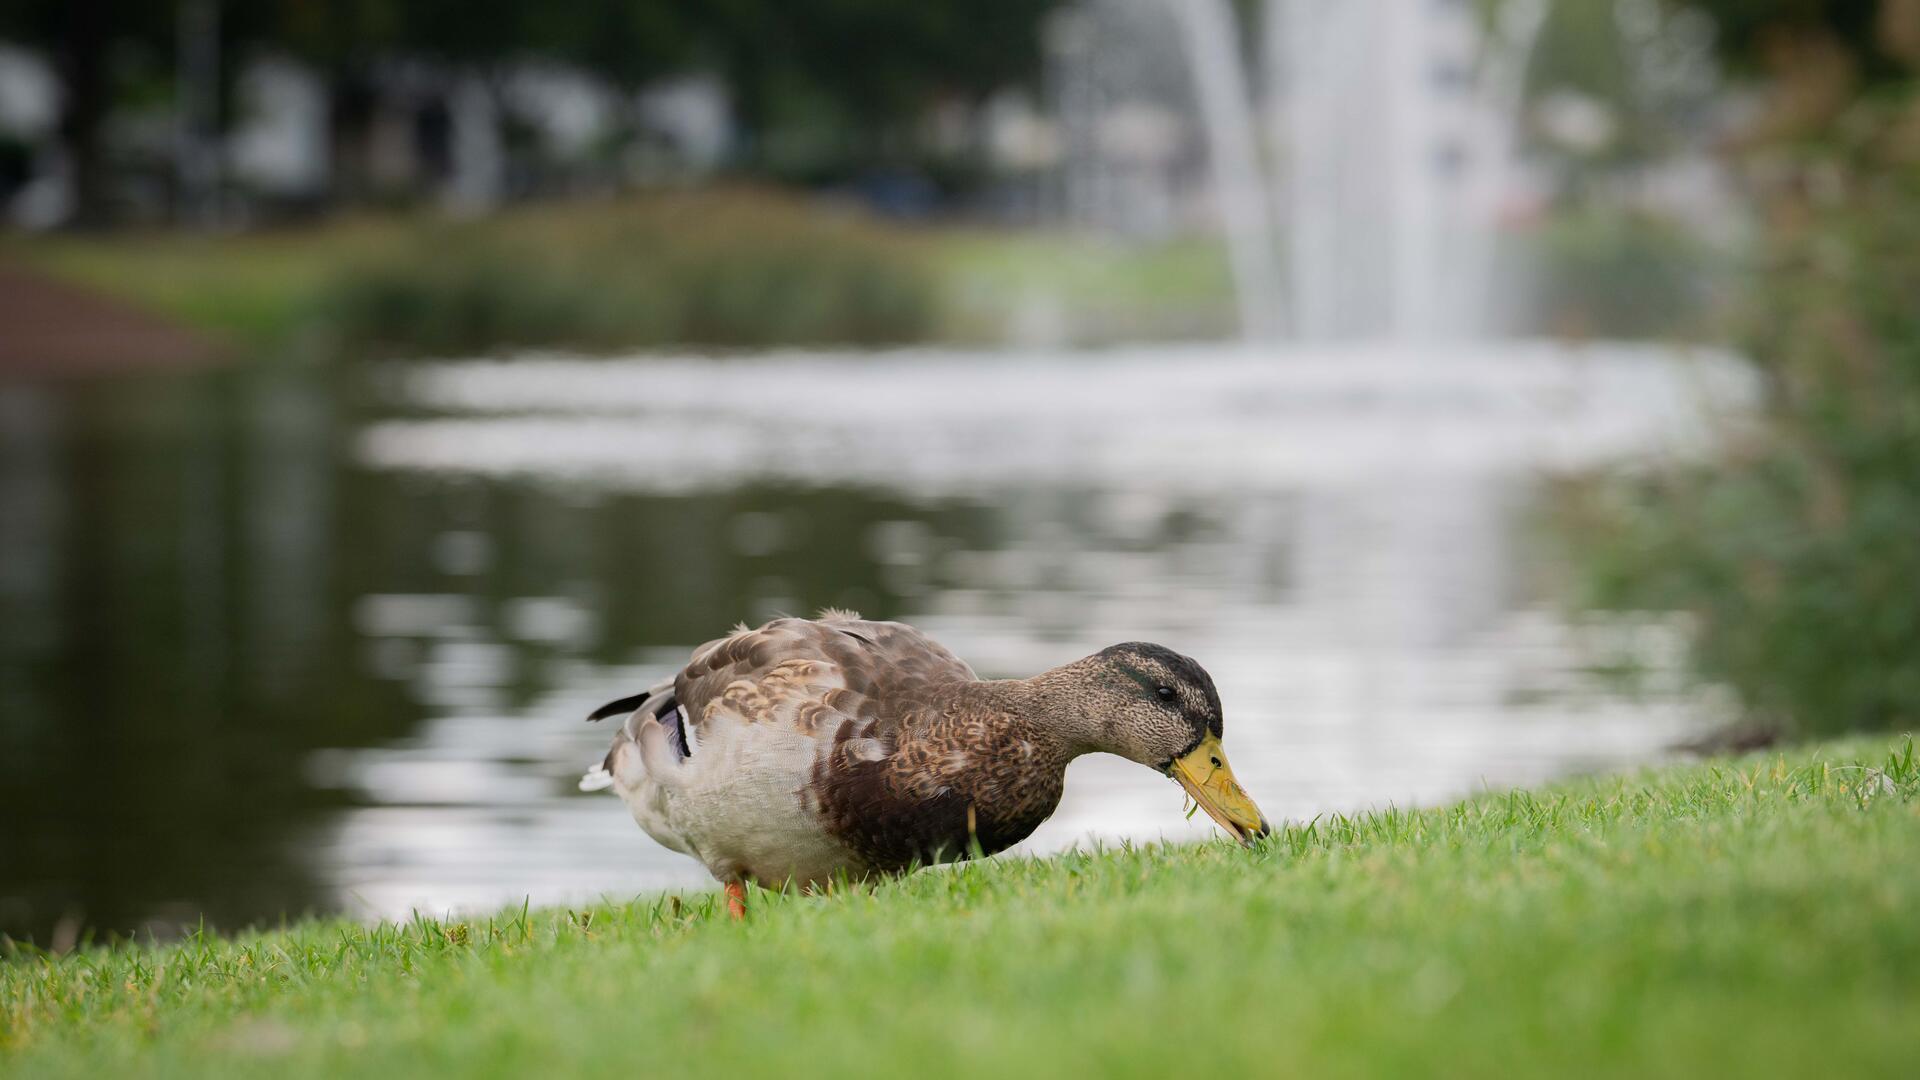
pixel 253 290
pixel 1753 917
pixel 714 268
pixel 999 283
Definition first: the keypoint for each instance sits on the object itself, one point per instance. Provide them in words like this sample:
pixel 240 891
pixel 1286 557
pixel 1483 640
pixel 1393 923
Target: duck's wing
pixel 814 674
pixel 852 684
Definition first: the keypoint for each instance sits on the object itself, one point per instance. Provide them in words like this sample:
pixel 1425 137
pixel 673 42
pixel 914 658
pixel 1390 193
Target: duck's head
pixel 1149 704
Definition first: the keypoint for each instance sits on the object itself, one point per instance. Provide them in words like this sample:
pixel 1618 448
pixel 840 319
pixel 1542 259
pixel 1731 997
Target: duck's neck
pixel 1050 710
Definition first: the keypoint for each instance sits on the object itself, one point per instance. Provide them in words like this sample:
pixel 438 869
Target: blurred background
pixel 1483 390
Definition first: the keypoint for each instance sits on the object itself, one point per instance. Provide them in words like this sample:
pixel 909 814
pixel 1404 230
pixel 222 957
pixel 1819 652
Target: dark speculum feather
pixel 674 719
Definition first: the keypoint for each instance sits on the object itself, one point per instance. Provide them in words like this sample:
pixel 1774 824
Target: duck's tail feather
pixel 597 778
pixel 651 744
pixel 622 706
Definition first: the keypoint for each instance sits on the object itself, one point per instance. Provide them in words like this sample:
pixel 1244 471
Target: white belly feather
pixel 742 809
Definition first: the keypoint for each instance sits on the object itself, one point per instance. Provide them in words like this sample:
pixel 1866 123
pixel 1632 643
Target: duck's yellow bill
pixel 1205 775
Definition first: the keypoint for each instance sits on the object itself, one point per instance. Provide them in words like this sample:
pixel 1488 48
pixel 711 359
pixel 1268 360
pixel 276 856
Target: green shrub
pixel 1617 275
pixel 1798 551
pixel 712 270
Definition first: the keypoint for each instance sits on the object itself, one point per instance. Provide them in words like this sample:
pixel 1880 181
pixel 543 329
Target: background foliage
pixel 740 269
pixel 815 86
pixel 1798 552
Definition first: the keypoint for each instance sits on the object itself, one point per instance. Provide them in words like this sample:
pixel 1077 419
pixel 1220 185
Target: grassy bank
pixel 721 269
pixel 718 268
pixel 1038 285
pixel 1751 917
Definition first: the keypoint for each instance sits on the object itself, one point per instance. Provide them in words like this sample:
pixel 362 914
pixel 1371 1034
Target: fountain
pixel 1220 83
pixel 1388 131
pixel 1395 120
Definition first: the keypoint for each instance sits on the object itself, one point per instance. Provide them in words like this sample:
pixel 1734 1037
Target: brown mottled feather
pixel 801 670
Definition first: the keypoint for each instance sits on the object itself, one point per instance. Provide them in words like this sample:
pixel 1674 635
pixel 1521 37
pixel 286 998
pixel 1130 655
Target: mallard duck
pixel 814 750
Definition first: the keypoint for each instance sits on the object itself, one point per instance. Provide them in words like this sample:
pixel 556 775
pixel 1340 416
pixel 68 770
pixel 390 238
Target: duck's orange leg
pixel 736 900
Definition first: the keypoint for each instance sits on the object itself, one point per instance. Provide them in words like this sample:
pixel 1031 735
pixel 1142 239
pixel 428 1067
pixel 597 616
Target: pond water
pixel 275 643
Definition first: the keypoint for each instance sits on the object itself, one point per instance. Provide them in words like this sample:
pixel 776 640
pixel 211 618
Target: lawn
pixel 724 268
pixel 1081 289
pixel 1752 917
pixel 720 268
pixel 252 289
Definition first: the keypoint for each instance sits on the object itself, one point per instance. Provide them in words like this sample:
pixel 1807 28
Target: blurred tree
pixel 1751 30
pixel 831 69
pixel 1813 56
pixel 1793 550
pixel 343 40
pixel 85 38
pixel 821 72
pixel 854 76
pixel 627 42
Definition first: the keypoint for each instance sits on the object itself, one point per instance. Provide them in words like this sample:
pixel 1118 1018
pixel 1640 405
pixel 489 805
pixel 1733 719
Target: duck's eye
pixel 1165 692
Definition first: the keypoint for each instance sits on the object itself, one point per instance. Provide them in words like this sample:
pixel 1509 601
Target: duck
pixel 807 752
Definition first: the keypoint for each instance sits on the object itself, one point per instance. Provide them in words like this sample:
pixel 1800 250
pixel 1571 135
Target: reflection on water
pixel 271 644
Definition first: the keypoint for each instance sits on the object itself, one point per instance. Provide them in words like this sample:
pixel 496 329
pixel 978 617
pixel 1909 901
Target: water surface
pixel 273 642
